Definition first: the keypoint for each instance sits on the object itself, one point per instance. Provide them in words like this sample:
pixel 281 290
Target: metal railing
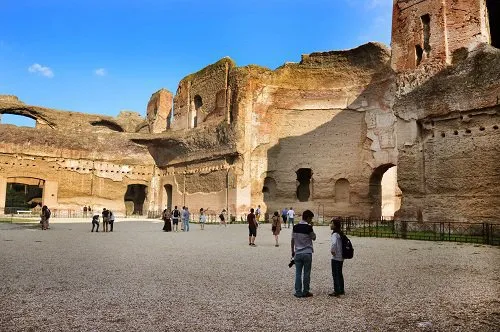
pixel 484 233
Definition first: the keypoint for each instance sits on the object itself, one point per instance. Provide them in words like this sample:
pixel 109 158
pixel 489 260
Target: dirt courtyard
pixel 139 278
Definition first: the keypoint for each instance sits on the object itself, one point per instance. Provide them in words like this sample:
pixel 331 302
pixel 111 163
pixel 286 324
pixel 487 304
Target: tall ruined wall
pixel 77 167
pixel 200 99
pixel 158 111
pixel 330 113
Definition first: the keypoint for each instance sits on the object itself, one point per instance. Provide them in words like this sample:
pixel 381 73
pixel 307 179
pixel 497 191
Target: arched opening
pixel 168 192
pixel 23 194
pixel 493 7
pixel 17 120
pixel 134 198
pixel 304 176
pixel 198 102
pixel 383 192
pixel 342 191
pixel 105 124
pixel 269 189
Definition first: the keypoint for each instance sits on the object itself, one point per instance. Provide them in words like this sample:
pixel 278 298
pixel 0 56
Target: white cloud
pixel 100 72
pixel 39 69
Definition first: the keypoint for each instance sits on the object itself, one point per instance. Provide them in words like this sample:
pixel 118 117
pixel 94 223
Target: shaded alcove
pixel 107 125
pixel 23 193
pixel 342 191
pixel 168 193
pixel 135 197
pixel 375 190
pixel 269 189
pixel 304 176
pixel 493 7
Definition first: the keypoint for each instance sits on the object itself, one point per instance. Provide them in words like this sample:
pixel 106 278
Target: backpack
pixel 176 213
pixel 47 213
pixel 347 249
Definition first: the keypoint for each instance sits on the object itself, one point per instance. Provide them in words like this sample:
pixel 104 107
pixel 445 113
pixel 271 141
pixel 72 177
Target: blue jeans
pixel 338 278
pixel 290 221
pixel 303 262
pixel 186 225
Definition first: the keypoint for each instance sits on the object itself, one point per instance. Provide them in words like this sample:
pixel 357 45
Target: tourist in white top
pixel 290 216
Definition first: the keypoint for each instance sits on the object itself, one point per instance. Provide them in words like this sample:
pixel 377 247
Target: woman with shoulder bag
pixel 276 227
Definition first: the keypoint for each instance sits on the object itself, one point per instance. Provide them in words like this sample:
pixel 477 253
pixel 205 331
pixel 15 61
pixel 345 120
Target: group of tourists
pixel 108 221
pixel 172 217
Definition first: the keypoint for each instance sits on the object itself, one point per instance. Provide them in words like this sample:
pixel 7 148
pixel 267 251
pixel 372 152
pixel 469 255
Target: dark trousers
pixel 338 277
pixel 111 223
pixel 95 224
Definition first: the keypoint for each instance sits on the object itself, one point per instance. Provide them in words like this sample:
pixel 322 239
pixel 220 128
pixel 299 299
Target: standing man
pixel 185 219
pixel 105 219
pixel 45 216
pixel 252 228
pixel 302 249
pixel 111 220
pixel 337 259
pixel 175 218
pixel 257 214
pixel 290 216
pixel 284 216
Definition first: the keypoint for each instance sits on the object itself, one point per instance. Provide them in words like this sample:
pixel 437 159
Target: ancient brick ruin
pixel 317 134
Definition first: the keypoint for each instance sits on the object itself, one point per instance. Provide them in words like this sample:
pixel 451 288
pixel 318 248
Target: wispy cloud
pixel 101 72
pixel 42 70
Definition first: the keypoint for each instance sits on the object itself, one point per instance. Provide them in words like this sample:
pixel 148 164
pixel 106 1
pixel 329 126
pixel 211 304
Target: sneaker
pixel 276 245
pixel 297 295
pixel 308 294
pixel 249 244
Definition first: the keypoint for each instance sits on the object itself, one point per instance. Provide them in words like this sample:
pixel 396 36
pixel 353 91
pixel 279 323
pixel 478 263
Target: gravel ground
pixel 139 278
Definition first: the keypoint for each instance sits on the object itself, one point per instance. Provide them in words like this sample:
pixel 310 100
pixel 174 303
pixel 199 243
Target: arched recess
pixel 493 7
pixel 195 111
pixel 108 125
pixel 19 120
pixel 342 191
pixel 23 193
pixel 168 193
pixel 269 189
pixel 375 190
pixel 304 177
pixel 134 198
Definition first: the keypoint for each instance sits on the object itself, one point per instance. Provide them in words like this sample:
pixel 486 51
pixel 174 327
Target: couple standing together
pixel 302 249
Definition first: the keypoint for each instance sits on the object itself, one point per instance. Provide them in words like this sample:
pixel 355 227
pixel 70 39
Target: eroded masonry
pixel 318 134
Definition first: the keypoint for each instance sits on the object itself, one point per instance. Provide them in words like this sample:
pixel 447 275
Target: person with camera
pixel 302 249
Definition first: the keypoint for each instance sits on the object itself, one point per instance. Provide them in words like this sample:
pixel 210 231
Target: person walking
pixel 290 216
pixel 185 219
pixel 105 219
pixel 95 222
pixel 45 216
pixel 257 214
pixel 252 228
pixel 203 218
pixel 337 259
pixel 175 218
pixel 284 214
pixel 302 249
pixel 276 227
pixel 166 215
pixel 222 218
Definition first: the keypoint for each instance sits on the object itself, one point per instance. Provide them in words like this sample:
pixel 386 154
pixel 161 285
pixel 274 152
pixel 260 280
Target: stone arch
pixel 375 190
pixel 108 125
pixel 19 120
pixel 168 192
pixel 269 189
pixel 134 198
pixel 342 191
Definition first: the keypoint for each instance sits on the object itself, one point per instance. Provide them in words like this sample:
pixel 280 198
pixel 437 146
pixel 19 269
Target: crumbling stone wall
pixel 159 111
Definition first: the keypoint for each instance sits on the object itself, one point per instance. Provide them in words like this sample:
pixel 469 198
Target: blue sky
pixel 106 56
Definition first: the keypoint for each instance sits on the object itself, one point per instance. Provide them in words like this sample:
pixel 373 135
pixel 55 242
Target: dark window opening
pixel 304 176
pixel 134 198
pixel 168 191
pixel 198 102
pixel 17 120
pixel 419 52
pixel 493 7
pixel 426 28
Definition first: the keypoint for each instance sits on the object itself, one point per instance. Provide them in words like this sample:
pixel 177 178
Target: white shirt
pixel 291 213
pixel 336 246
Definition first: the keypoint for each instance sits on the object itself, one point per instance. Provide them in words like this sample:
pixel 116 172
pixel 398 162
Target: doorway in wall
pixel 134 198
